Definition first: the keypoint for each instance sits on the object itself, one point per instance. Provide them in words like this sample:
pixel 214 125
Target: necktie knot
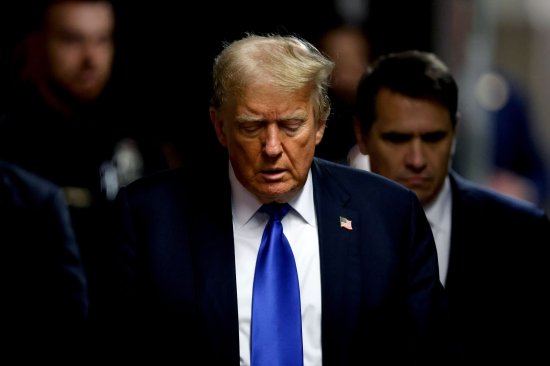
pixel 275 210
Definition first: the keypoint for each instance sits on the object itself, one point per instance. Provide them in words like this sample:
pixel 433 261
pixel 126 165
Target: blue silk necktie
pixel 276 328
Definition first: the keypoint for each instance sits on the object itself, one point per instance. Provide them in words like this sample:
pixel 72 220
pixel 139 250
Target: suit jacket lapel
pixel 340 269
pixel 461 201
pixel 215 269
pixel 340 266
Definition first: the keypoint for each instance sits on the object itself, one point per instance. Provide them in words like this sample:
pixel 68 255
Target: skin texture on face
pixel 79 47
pixel 410 142
pixel 270 137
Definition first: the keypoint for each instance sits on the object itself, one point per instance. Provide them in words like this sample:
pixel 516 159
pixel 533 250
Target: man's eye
pixel 250 128
pixel 434 136
pixel 105 39
pixel 68 37
pixel 291 126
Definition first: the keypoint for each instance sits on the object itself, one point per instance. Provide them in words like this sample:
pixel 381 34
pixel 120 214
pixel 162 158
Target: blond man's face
pixel 270 137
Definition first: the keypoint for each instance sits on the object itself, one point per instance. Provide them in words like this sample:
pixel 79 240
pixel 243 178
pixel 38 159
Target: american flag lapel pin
pixel 345 223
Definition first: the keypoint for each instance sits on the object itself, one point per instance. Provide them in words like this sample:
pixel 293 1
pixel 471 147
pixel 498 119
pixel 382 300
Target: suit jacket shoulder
pixel 472 201
pixel 357 182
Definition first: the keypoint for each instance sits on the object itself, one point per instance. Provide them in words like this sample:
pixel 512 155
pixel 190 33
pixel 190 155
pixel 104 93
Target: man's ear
pixel 453 146
pixel 219 126
pixel 320 131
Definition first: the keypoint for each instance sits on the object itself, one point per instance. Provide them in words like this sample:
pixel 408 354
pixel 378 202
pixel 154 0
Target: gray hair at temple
pixel 288 62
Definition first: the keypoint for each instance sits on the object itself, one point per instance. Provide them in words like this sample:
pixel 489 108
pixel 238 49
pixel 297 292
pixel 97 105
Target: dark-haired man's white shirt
pixel 439 214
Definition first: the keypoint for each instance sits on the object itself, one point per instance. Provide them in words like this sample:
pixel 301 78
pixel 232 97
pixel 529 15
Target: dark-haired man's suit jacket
pixel 380 287
pixel 497 282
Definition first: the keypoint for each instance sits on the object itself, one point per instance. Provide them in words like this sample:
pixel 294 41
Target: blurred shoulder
pixel 22 187
pixel 484 199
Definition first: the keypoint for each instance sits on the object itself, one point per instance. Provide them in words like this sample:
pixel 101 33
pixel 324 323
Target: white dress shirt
pixel 300 228
pixel 439 215
pixel 358 160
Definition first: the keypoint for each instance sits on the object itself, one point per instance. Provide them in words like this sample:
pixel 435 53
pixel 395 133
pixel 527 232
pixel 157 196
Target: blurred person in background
pixel 516 166
pixel 65 122
pixel 44 287
pixel 492 249
pixel 348 47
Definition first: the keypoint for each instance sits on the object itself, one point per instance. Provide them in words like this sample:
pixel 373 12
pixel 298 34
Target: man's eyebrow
pixel 243 118
pixel 387 133
pixel 298 115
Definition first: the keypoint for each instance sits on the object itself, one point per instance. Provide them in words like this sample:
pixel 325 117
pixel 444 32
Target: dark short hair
pixel 413 73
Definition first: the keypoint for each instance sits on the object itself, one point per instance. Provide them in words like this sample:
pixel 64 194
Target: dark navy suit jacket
pixel 43 283
pixel 381 295
pixel 497 283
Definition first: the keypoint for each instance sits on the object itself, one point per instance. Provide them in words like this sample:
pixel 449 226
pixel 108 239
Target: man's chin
pixel 87 95
pixel 86 90
pixel 269 192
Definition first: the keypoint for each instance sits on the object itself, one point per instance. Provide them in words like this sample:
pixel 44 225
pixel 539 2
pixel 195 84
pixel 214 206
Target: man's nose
pixel 272 140
pixel 416 157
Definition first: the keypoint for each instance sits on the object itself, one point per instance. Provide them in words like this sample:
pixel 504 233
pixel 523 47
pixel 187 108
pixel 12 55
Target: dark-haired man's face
pixel 410 142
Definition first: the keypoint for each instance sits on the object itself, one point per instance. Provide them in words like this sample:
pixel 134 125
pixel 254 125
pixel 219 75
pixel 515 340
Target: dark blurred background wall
pixel 165 49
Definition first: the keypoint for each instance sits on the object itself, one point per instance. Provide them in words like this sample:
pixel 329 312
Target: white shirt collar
pixel 439 214
pixel 244 204
pixel 439 210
